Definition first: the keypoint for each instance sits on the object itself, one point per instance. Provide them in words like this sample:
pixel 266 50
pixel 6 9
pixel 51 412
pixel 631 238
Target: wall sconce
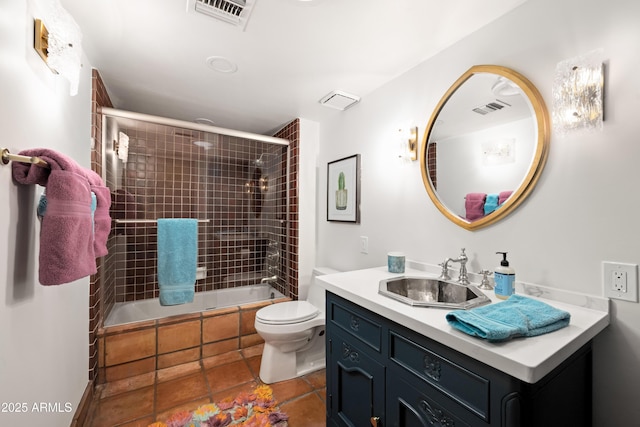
pixel 578 93
pixel 264 184
pixel 58 42
pixel 122 147
pixel 409 143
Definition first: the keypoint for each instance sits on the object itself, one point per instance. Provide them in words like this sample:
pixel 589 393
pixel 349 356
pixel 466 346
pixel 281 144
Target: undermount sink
pixel 430 292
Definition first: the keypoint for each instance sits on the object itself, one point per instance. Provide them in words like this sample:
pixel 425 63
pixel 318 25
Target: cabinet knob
pixel 374 421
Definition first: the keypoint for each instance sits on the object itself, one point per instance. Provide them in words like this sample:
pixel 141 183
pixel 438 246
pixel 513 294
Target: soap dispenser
pixel 504 278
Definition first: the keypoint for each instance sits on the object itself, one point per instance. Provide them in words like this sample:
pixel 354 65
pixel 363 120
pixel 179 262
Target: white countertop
pixel 528 359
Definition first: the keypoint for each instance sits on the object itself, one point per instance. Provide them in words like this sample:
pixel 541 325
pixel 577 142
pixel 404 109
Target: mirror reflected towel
pixel 503 196
pixel 491 204
pixel 474 205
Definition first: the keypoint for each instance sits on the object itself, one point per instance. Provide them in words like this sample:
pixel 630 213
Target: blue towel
pixel 491 203
pixel 177 259
pixel 94 205
pixel 516 317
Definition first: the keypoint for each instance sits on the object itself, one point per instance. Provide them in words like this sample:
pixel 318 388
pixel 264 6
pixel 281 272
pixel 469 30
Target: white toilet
pixel 293 333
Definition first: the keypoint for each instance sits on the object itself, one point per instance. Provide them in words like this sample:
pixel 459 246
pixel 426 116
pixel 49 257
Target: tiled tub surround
pixel 140 348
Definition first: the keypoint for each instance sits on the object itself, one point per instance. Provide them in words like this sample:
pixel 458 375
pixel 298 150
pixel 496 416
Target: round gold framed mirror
pixel 485 146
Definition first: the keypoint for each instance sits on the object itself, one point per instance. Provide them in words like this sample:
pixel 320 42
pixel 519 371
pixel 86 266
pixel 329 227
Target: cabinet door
pixel 356 384
pixel 410 407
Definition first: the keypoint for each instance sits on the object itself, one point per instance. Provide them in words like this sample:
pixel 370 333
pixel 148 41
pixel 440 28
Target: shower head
pixel 259 162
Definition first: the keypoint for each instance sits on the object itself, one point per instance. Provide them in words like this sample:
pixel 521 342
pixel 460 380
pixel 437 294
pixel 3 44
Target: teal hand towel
pixel 177 259
pixel 516 317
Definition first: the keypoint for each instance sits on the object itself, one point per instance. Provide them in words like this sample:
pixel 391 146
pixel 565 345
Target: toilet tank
pixel 316 294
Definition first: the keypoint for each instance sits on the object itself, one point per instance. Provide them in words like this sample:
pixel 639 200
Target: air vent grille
pixel 235 12
pixel 491 107
pixel 339 100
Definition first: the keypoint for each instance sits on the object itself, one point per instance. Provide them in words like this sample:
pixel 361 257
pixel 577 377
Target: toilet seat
pixel 287 312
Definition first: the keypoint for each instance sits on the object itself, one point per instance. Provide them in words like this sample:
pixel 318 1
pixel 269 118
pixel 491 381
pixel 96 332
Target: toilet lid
pixel 287 312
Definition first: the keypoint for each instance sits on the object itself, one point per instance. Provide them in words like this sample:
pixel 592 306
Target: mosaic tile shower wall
pixel 235 187
pixel 99 98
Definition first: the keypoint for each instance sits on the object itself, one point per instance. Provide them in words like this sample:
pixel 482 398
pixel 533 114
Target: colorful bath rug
pixel 256 409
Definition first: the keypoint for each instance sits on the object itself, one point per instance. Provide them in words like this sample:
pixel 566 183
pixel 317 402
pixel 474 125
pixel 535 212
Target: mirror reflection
pixel 485 146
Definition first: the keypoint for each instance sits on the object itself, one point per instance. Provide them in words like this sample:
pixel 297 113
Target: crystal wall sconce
pixel 409 143
pixel 57 39
pixel 578 94
pixel 500 151
pixel 122 147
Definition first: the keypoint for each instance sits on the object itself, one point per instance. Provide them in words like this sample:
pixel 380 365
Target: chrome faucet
pixel 444 274
pixel 463 278
pixel 269 279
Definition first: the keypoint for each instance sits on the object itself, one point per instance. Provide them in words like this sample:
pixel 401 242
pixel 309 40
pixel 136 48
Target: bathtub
pixel 149 309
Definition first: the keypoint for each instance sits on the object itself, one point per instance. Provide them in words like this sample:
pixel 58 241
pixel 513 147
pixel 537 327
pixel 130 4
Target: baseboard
pixel 80 417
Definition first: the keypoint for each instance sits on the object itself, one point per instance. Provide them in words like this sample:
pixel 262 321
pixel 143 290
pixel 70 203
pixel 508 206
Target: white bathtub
pixel 148 309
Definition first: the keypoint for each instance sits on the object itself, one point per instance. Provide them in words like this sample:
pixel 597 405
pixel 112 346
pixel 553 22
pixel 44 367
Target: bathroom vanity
pixel 390 364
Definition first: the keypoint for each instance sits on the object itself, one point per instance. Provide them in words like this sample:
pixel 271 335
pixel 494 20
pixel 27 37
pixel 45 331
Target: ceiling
pixel 152 54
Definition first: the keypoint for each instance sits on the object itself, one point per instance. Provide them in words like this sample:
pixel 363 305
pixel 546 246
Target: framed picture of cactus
pixel 343 189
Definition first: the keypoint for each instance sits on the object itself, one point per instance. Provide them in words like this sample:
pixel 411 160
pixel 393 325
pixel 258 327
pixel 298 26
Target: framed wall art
pixel 343 190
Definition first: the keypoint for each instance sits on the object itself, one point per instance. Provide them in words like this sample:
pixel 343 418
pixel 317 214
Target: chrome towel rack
pixel 8 157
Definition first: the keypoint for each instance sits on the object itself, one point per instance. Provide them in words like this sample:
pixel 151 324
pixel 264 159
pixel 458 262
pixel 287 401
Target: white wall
pixel 44 331
pixel 583 210
pixel 307 176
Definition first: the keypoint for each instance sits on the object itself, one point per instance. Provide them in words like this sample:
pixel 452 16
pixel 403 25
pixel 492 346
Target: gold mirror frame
pixel 537 164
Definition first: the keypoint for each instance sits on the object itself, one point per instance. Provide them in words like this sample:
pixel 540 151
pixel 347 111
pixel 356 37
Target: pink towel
pixel 68 243
pixel 101 218
pixel 66 240
pixel 474 205
pixel 503 196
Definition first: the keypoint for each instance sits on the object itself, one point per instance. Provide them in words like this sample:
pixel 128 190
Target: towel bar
pixel 8 157
pixel 147 221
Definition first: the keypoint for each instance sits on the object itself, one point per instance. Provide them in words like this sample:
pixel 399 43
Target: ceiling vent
pixel 339 100
pixel 491 107
pixel 235 12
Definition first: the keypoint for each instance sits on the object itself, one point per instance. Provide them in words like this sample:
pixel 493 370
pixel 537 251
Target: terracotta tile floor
pixel 142 400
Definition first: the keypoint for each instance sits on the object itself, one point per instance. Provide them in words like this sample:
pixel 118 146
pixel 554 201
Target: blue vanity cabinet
pixel 379 370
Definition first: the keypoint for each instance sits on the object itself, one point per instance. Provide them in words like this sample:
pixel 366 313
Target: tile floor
pixel 142 400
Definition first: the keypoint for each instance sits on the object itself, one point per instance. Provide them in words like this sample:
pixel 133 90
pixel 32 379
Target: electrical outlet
pixel 364 244
pixel 620 281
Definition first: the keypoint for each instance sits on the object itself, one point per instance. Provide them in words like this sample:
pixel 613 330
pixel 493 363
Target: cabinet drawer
pixel 463 386
pixel 410 407
pixel 354 321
